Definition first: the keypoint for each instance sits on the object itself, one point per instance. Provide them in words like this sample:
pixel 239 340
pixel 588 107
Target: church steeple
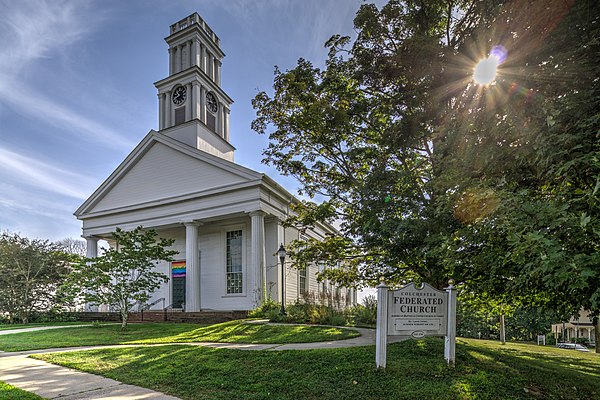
pixel 193 108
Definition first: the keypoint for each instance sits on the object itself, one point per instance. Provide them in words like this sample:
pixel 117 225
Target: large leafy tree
pixel 432 175
pixel 124 274
pixel 362 135
pixel 30 272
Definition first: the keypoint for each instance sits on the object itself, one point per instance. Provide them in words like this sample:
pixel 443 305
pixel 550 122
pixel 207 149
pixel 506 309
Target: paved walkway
pixel 39 328
pixel 55 382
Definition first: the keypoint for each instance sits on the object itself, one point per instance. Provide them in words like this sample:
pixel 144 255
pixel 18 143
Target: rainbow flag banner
pixel 178 269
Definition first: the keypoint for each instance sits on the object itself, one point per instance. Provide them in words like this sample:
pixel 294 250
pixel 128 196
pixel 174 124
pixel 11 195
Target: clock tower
pixel 192 106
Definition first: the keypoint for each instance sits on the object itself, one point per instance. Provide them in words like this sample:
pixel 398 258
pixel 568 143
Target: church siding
pixel 164 172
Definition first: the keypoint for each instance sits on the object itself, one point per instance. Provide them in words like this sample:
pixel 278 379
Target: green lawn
pixel 8 392
pixel 228 332
pixel 416 370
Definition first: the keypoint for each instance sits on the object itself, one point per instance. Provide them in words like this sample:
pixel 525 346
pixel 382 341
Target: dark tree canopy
pixel 433 176
pixel 30 272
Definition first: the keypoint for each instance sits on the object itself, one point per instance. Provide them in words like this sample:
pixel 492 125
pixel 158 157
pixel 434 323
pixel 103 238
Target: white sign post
pixel 382 319
pixel 450 342
pixel 415 311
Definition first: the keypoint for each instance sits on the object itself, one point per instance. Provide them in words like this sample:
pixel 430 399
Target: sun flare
pixel 486 70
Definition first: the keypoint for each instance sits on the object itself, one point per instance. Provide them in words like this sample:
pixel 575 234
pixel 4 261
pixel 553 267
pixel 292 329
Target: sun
pixel 486 70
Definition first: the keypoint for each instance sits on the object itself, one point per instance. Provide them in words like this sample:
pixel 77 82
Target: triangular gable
pixel 161 168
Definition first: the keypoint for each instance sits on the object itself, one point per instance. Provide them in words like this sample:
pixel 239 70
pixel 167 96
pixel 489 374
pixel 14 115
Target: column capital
pixel 257 213
pixel 90 237
pixel 192 223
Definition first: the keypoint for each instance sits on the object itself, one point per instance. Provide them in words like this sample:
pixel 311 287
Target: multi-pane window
pixel 234 262
pixel 302 280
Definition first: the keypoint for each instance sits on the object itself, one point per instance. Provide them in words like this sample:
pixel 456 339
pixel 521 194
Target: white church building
pixel 183 182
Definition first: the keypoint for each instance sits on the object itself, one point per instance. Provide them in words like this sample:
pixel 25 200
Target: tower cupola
pixel 192 106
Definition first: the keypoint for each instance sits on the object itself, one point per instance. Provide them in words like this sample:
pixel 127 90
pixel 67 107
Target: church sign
pixel 417 311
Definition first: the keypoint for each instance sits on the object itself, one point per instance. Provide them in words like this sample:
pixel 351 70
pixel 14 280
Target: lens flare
pixel 486 70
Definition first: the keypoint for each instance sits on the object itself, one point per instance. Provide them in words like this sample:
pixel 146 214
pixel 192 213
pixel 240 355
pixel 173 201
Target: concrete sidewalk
pixel 39 328
pixel 55 382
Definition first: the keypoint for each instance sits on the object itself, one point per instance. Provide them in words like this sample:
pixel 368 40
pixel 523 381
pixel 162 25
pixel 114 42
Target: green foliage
pixel 305 311
pixel 8 392
pixel 146 333
pixel 30 271
pixel 124 274
pixel 365 314
pixel 415 370
pixel 478 317
pixel 433 176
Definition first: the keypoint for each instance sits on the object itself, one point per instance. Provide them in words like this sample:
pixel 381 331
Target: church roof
pixel 161 169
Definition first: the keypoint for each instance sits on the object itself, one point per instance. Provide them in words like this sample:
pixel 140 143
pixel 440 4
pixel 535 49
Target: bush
pixel 582 340
pixel 301 312
pixel 265 310
pixel 365 313
pixel 53 315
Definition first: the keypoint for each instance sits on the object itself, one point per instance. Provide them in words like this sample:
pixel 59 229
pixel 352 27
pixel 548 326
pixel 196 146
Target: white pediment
pixel 162 170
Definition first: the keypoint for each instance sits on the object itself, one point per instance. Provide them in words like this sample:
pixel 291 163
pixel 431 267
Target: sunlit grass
pixel 8 392
pixel 415 370
pixel 228 332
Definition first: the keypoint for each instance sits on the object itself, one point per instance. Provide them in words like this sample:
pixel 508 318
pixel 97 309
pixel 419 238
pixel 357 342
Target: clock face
pixel 179 95
pixel 211 102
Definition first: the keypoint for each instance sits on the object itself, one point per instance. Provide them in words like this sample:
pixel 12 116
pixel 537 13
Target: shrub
pixel 266 309
pixel 365 313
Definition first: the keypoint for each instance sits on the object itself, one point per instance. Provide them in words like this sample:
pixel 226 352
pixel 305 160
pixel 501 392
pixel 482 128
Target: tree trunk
pixel 502 330
pixel 124 315
pixel 596 321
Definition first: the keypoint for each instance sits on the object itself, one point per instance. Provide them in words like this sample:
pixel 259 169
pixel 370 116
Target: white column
pixel 382 326
pixel 188 50
pixel 192 268
pixel 91 246
pixel 204 61
pixel 192 53
pixel 450 340
pixel 258 261
pixel 226 124
pixel 188 103
pixel 197 54
pixel 91 252
pixel 176 64
pixel 167 109
pixel 218 72
pixel 171 62
pixel 161 106
pixel 203 104
pixel 194 99
pixel 220 120
pixel 211 67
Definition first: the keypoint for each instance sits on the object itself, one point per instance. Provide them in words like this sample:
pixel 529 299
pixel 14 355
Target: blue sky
pixel 77 93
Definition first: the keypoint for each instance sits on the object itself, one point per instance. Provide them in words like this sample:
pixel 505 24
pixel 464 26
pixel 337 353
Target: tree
pixel 30 272
pixel 361 134
pixel 433 176
pixel 124 274
pixel 73 246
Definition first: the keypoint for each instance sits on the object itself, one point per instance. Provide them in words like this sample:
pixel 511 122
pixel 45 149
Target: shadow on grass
pixel 416 370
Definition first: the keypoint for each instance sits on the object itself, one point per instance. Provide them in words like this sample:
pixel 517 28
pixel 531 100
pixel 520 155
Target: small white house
pixel 182 181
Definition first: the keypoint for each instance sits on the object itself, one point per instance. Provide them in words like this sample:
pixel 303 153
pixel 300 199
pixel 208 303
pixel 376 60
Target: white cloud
pixel 36 29
pixel 33 30
pixel 22 169
pixel 33 104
